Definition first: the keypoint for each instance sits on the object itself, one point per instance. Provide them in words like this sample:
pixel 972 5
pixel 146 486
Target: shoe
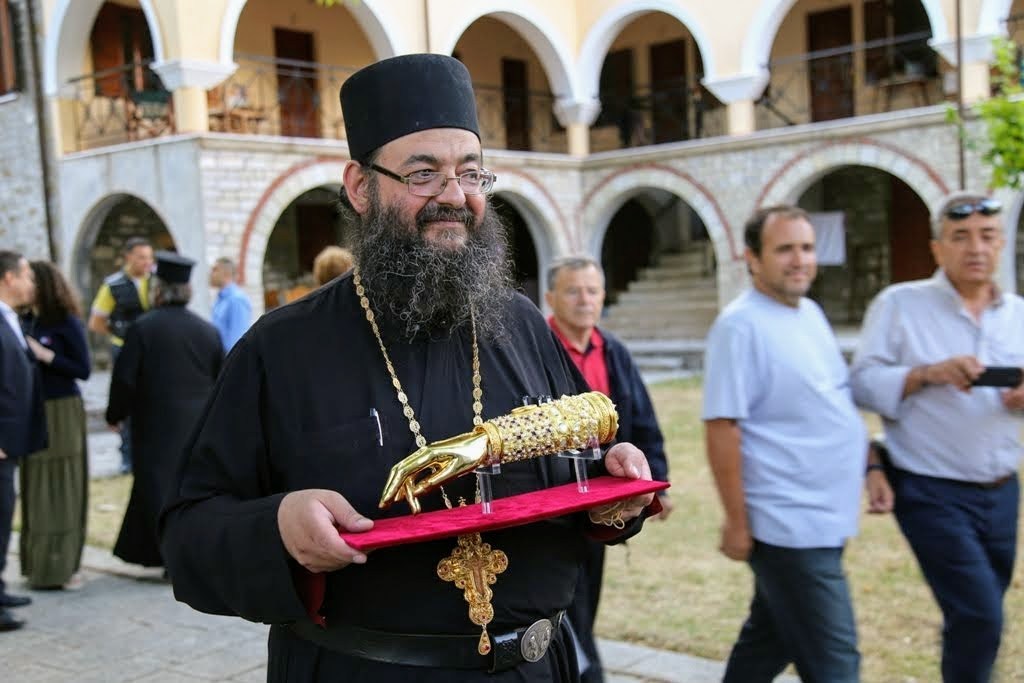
pixel 8 600
pixel 8 622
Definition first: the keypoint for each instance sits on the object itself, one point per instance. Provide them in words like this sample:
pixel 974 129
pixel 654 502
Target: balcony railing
pixel 670 111
pixel 268 96
pixel 120 104
pixel 853 80
pixel 300 99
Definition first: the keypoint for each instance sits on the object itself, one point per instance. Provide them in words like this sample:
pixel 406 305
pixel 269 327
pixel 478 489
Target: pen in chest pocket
pixel 380 432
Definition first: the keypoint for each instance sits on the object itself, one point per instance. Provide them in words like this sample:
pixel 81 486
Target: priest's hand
pixel 628 462
pixel 433 465
pixel 309 522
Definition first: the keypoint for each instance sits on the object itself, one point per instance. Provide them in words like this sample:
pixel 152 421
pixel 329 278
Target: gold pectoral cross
pixel 474 567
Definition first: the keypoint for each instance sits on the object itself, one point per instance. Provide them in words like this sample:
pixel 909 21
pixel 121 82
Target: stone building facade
pixel 23 216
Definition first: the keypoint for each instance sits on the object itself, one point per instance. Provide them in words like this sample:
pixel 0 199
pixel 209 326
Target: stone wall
pixel 22 201
pixel 223 195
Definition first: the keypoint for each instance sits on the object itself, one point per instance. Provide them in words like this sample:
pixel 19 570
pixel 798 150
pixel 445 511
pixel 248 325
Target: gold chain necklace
pixel 472 566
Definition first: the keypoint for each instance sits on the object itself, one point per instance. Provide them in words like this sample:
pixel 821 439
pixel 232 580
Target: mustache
pixel 436 212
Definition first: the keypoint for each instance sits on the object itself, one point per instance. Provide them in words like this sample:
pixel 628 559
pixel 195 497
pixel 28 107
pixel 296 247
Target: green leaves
pixel 1003 115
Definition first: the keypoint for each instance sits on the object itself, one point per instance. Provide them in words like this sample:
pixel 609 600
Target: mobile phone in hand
pixel 993 376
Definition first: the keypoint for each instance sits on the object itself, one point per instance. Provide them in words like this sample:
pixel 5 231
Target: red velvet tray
pixel 505 512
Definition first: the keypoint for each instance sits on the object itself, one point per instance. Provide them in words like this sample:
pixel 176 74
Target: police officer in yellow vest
pixel 122 298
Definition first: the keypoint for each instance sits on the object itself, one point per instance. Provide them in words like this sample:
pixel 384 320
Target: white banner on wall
pixel 830 237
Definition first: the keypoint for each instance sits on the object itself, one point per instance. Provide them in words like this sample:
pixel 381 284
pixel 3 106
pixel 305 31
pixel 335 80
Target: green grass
pixel 670 588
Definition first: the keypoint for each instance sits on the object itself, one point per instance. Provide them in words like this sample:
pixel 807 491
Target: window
pixel 10 68
pixel 121 51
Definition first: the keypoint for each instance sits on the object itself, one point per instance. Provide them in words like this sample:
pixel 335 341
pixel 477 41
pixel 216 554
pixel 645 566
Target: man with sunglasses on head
pixel 954 448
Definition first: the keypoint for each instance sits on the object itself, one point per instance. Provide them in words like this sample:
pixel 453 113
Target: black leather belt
pixel 508 650
pixel 988 485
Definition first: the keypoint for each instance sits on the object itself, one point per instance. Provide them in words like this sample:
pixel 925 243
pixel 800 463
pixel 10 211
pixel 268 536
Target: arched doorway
pixel 872 230
pixel 650 88
pixel 117 96
pixel 521 249
pixel 307 225
pixel 862 57
pixel 112 222
pixel 659 269
pixel 514 99
pixel 292 59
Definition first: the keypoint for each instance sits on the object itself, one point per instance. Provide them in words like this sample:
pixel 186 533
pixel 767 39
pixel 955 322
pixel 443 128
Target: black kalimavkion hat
pixel 406 94
pixel 173 268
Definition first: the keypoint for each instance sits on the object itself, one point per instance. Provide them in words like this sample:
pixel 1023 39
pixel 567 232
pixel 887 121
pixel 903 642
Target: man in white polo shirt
pixel 955 449
pixel 788 451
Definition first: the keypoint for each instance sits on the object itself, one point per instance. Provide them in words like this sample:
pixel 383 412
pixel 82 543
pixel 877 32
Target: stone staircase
pixel 664 315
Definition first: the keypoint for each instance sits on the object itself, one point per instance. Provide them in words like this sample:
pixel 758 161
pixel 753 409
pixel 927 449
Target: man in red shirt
pixel 576 297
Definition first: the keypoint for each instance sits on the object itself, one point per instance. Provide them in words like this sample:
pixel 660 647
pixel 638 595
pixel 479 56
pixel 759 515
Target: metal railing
pixel 293 98
pixel 852 80
pixel 670 111
pixel 119 104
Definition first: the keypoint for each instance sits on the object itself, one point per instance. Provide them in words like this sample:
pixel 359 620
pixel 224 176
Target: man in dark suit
pixel 161 380
pixel 576 297
pixel 22 416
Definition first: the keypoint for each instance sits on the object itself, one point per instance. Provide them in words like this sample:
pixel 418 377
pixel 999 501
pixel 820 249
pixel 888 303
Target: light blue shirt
pixel 11 319
pixel 940 431
pixel 232 314
pixel 777 370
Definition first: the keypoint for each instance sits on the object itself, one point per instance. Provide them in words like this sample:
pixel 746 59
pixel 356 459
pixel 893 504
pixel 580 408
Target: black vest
pixel 127 304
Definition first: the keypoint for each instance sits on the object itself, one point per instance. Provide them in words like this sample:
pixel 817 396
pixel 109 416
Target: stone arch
pixel 68 42
pixel 992 17
pixel 77 259
pixel 375 22
pixel 614 190
pixel 803 170
pixel 535 29
pixel 764 25
pixel 604 31
pixel 285 189
pixel 543 217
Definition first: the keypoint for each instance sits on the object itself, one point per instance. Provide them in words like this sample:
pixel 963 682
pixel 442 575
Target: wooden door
pixel 316 228
pixel 616 93
pixel 298 93
pixel 669 111
pixel 515 93
pixel 830 78
pixel 910 257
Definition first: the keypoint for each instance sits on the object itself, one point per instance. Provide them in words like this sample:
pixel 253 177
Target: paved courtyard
pixel 121 623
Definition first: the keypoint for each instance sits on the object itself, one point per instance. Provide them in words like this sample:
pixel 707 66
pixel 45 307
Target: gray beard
pixel 421 288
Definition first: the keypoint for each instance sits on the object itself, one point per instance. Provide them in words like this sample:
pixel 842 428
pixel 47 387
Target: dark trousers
pixel 7 468
pixel 965 539
pixel 583 610
pixel 801 613
pixel 126 424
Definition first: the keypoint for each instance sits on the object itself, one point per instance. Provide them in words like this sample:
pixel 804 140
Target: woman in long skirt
pixel 55 481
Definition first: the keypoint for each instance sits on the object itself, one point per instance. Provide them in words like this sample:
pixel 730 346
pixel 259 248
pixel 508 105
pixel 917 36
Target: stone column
pixel 977 54
pixel 189 79
pixel 577 116
pixel 738 93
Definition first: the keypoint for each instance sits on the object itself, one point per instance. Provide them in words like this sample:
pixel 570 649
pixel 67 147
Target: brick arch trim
pixel 601 202
pixel 300 178
pixel 796 175
pixel 556 237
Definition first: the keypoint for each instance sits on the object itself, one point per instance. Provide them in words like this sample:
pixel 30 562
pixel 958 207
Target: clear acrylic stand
pixel 580 460
pixel 483 482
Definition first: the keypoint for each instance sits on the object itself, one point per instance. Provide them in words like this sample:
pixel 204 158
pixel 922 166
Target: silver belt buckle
pixel 536 639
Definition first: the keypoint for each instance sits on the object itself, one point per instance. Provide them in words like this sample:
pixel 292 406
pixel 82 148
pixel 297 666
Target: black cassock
pixel 162 379
pixel 291 411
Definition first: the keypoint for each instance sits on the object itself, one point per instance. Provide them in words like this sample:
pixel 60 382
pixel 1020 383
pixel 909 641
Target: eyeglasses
pixel 962 210
pixel 432 183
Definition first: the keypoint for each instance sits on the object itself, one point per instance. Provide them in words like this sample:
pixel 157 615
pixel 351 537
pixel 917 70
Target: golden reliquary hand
pixel 433 465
